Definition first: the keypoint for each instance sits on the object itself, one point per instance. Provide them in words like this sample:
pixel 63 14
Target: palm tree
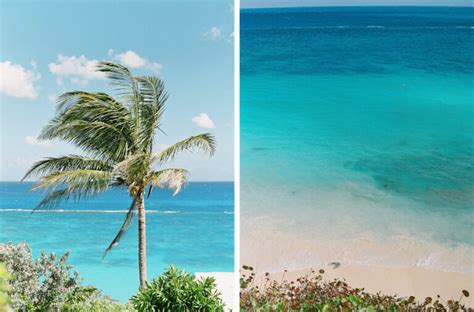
pixel 116 136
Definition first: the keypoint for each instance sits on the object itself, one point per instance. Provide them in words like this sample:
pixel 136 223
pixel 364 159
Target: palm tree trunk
pixel 142 239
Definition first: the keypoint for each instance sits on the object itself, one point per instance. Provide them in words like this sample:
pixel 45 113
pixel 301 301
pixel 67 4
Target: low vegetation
pixel 4 289
pixel 312 293
pixel 176 290
pixel 49 283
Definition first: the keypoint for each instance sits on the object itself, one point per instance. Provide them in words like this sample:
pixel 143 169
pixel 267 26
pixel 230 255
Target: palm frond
pixel 62 185
pixel 127 85
pixel 123 228
pixel 93 106
pixel 54 198
pixel 96 137
pixel 85 180
pixel 204 142
pixel 153 97
pixel 66 163
pixel 120 77
pixel 95 122
pixel 150 189
pixel 172 178
pixel 133 166
pixel 72 98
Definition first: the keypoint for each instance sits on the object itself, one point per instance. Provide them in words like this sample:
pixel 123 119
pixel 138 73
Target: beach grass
pixel 313 292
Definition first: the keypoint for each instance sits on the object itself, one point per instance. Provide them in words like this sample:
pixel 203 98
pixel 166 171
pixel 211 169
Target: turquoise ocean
pixel 357 137
pixel 193 230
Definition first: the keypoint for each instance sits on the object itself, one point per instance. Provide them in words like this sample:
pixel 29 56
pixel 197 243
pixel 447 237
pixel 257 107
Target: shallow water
pixel 193 230
pixel 358 124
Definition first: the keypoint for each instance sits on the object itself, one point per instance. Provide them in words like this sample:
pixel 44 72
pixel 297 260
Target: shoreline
pixel 405 266
pixel 403 281
pixel 272 249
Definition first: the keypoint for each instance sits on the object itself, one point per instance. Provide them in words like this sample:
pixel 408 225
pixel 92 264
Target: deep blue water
pixel 357 40
pixel 359 122
pixel 193 230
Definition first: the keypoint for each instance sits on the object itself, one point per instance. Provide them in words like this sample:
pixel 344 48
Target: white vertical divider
pixel 236 155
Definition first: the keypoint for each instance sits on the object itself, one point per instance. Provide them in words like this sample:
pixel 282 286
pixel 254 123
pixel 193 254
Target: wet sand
pixel 402 266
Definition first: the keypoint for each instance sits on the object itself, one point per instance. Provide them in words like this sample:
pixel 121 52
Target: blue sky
pixel 298 3
pixel 51 47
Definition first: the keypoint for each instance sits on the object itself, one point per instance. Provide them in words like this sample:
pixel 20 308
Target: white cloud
pixel 79 69
pixel 31 140
pixel 52 97
pixel 17 81
pixel 133 60
pixel 156 67
pixel 204 121
pixel 214 33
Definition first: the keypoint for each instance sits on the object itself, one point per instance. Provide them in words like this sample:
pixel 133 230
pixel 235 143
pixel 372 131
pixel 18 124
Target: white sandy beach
pixel 401 266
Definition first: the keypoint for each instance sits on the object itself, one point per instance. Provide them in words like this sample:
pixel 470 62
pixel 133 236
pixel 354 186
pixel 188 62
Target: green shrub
pixel 98 306
pixel 312 293
pixel 90 299
pixel 176 290
pixel 4 289
pixel 48 283
pixel 37 285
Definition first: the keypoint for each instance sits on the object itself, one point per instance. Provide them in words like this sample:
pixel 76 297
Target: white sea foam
pixel 272 250
pixel 377 229
pixel 83 211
